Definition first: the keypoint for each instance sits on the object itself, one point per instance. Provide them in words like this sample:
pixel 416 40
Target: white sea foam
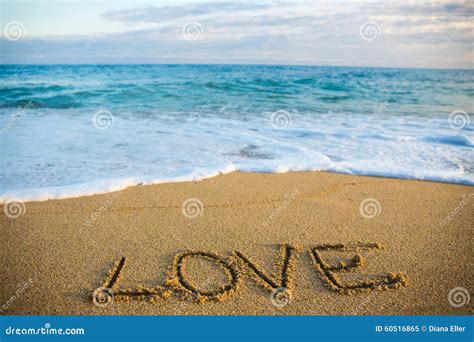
pixel 51 155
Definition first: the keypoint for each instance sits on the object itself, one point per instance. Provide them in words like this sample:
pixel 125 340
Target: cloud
pixel 410 33
pixel 154 14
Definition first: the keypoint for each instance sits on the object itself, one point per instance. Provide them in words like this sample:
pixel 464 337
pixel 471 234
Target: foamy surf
pixel 121 126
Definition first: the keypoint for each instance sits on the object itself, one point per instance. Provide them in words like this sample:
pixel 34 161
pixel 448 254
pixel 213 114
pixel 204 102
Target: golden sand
pixel 244 243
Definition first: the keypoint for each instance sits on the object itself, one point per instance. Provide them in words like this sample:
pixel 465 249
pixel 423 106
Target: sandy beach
pixel 336 244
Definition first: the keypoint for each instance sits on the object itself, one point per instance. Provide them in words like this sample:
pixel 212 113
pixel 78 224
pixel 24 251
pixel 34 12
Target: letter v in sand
pixel 281 285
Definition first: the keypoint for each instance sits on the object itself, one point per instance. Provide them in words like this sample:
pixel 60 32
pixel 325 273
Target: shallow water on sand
pixel 68 131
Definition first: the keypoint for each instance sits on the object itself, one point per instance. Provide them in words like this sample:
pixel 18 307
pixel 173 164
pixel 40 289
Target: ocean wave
pixel 57 102
pixel 177 123
pixel 456 140
pixel 177 86
pixel 111 185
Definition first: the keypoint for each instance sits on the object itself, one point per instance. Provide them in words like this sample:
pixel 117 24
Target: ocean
pixel 74 130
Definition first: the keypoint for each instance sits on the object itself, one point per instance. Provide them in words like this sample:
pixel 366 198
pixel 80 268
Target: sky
pixel 429 34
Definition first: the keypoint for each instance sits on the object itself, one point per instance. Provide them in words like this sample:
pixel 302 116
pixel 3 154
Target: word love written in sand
pixel 239 265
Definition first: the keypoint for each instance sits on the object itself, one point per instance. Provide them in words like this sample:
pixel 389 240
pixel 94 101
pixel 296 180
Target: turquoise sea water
pixel 75 130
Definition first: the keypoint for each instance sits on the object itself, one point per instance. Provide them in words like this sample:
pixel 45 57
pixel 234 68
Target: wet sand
pixel 245 243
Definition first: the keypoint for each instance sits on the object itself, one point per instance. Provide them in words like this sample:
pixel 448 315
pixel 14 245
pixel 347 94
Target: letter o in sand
pixel 219 294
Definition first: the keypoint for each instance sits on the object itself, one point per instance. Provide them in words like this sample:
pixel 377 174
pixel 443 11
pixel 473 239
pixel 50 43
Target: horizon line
pixel 243 64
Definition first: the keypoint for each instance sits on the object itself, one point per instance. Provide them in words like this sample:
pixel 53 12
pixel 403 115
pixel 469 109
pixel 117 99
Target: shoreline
pixel 54 193
pixel 404 242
